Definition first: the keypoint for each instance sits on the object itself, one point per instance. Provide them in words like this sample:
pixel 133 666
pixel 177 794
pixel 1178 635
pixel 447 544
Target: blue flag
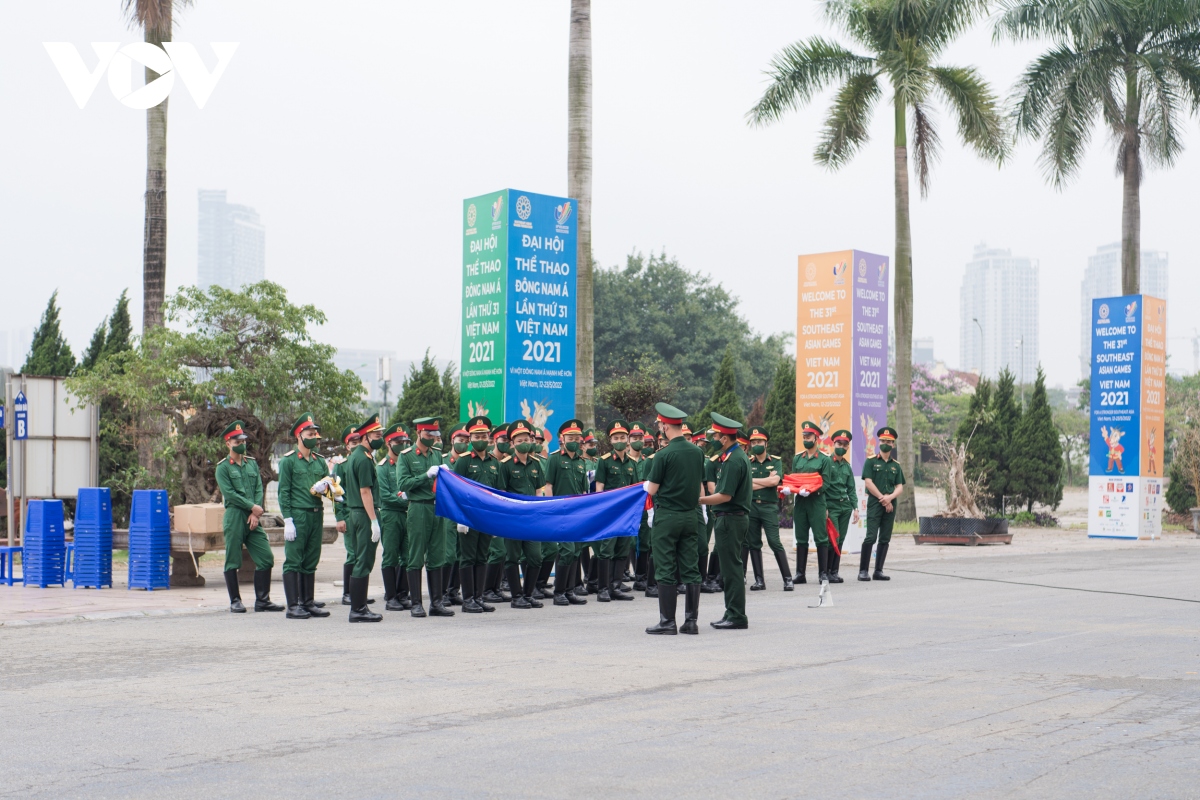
pixel 579 518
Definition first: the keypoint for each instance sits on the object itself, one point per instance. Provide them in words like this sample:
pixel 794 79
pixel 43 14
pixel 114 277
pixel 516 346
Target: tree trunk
pixel 1131 206
pixel 579 187
pixel 902 302
pixel 154 243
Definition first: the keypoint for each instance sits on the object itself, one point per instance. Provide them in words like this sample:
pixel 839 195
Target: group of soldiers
pixel 716 484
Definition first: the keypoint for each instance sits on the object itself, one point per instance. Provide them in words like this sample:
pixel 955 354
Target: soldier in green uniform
pixel 362 515
pixel 884 481
pixel 766 471
pixel 700 438
pixel 350 440
pixel 711 577
pixel 242 492
pixel 496 582
pixel 482 467
pixel 614 470
pixel 549 549
pixel 674 482
pixel 460 445
pixel 731 504
pixel 810 511
pixel 416 469
pixel 522 474
pixel 566 474
pixel 393 519
pixel 843 497
pixel 300 470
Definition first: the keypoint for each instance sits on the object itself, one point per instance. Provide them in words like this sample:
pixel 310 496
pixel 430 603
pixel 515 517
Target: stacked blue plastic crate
pixel 149 540
pixel 45 553
pixel 93 539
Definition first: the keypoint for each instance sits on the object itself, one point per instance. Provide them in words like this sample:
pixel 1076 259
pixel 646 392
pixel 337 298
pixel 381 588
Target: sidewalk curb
pixel 153 612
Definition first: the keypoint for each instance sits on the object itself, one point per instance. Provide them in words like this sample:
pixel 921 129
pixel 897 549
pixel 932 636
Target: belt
pixel 769 502
pixel 311 510
pixel 422 502
pixel 730 513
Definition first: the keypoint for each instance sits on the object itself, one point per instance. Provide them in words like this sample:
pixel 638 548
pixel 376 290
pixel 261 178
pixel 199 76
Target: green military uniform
pixel 393 520
pixel 411 478
pixel 886 474
pixel 567 474
pixel 447 533
pixel 303 520
pixel 502 553
pixel 645 541
pixel 484 468
pixel 842 497
pixel 361 474
pixel 523 478
pixel 733 517
pixel 764 506
pixel 709 576
pixel 339 513
pixel 615 470
pixel 241 490
pixel 703 516
pixel 811 512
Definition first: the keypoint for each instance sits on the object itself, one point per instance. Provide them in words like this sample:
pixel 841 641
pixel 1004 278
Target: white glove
pixel 341 498
pixel 591 476
pixel 402 495
pixel 463 529
pixel 786 491
pixel 704 513
pixel 646 486
pixel 432 472
pixel 804 492
pixel 650 518
pixel 375 531
pixel 289 530
pixel 320 487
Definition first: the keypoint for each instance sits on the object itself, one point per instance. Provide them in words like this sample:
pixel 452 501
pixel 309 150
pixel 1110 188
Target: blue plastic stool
pixel 68 563
pixel 8 564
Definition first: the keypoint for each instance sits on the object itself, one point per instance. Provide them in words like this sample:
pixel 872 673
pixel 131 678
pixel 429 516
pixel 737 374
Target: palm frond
pixel 980 123
pixel 800 71
pixel 948 19
pixel 926 145
pixel 1079 21
pixel 151 14
pixel 1160 90
pixel 1067 127
pixel 846 126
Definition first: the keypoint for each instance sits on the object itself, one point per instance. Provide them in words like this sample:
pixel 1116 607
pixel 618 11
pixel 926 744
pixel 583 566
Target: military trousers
pixel 702 536
pixel 605 548
pixel 449 537
pixel 473 548
pixel 763 518
pixel 730 535
pixel 674 544
pixel 549 551
pixel 644 538
pixel 569 551
pixel 347 539
pixel 516 551
pixel 810 513
pixel 879 525
pixel 238 533
pixel 425 545
pixel 364 548
pixel 302 554
pixel 841 520
pixel 394 523
pixel 497 551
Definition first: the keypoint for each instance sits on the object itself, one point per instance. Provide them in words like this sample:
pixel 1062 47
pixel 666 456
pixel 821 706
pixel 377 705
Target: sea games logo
pixel 524 209
pixel 562 213
pixel 172 58
pixel 1104 313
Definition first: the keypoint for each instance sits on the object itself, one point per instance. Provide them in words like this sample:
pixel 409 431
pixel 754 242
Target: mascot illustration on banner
pixel 868 430
pixel 1112 437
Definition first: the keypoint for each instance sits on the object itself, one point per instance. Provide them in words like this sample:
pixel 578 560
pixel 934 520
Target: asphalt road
pixel 928 686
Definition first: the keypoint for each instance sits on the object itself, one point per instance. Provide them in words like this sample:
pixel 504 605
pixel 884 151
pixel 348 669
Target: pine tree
pixel 780 416
pixel 422 395
pixel 120 328
pixel 95 350
pixel 1007 417
pixel 451 399
pixel 1036 463
pixel 978 432
pixel 49 354
pixel 724 397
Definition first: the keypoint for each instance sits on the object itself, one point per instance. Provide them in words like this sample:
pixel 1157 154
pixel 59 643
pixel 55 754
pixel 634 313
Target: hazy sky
pixel 356 129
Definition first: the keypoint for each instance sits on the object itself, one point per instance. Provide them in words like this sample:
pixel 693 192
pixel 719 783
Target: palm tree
pixel 154 18
pixel 579 186
pixel 1133 63
pixel 902 39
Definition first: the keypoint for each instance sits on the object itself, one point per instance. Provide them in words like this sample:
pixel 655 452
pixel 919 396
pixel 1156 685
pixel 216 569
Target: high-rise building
pixel 1102 278
pixel 365 364
pixel 233 243
pixel 998 308
pixel 923 351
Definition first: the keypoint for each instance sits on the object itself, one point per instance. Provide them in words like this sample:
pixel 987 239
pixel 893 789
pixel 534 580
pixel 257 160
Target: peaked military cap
pixel 234 430
pixel 571 426
pixel 479 425
pixel 811 426
pixel 349 433
pixel 617 426
pixel 370 425
pixel 842 434
pixel 759 432
pixel 521 426
pixel 427 423
pixel 669 414
pixel 636 429
pixel 886 433
pixel 725 425
pixel 396 431
pixel 500 430
pixel 304 422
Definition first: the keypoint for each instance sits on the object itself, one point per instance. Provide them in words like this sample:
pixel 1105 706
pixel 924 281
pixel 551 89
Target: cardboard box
pixel 199 518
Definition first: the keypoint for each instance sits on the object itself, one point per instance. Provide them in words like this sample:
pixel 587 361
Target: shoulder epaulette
pixel 506 459
pixel 318 455
pixel 406 450
pixel 710 458
pixel 289 453
pixel 650 456
pixel 556 452
pixel 251 458
pixel 606 455
pixel 223 460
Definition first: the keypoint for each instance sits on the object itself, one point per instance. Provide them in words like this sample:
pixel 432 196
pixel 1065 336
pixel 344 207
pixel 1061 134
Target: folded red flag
pixel 832 530
pixel 796 481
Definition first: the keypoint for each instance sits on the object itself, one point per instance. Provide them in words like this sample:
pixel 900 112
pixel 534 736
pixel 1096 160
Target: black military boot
pixel 781 561
pixel 639 577
pixel 561 584
pixel 414 592
pixel 531 577
pixel 437 594
pixel 756 559
pixel 358 602
pixel 347 569
pixel 480 579
pixel 519 600
pixel 603 569
pixel 651 581
pixel 450 576
pixel 469 603
pixel 616 589
pixel 542 588
pixel 576 595
pixel 880 555
pixel 691 609
pixel 262 591
pixel 801 563
pixel 668 599
pixel 291 593
pixel 390 591
pixel 235 593
pixel 864 561
pixel 402 588
pixel 308 584
pixel 822 563
pixel 835 561
pixel 491 586
pixel 593 584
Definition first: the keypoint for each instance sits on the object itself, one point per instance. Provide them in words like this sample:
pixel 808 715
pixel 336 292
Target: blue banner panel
pixel 1116 386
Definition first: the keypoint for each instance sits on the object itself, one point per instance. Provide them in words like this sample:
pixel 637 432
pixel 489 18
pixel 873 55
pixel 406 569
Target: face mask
pixel 312 443
pixel 572 447
pixel 460 447
pixel 648 448
pixel 375 444
pixel 619 447
pixel 758 449
pixel 395 447
pixel 525 448
pixel 591 451
pixel 240 449
pixel 885 448
pixel 427 443
pixel 503 447
pixel 635 445
pixel 839 451
pixel 809 444
pixel 479 445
